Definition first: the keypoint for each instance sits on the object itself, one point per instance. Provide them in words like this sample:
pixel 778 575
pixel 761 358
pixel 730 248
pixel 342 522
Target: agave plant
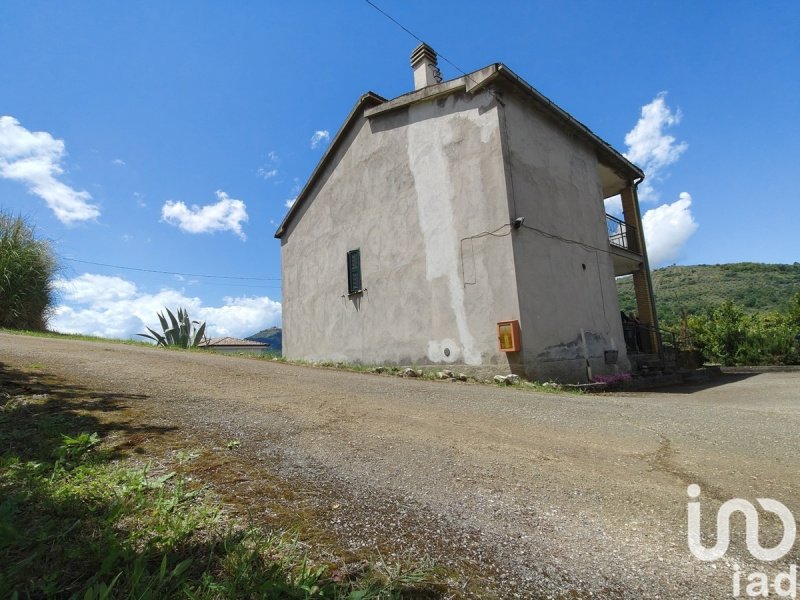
pixel 178 331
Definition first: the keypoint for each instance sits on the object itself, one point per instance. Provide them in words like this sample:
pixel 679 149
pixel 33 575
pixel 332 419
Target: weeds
pixel 80 521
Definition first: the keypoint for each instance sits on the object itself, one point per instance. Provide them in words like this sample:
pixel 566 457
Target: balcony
pixel 618 232
pixel 624 246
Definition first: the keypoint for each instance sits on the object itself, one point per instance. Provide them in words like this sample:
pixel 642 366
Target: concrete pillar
pixel 642 283
pixel 630 216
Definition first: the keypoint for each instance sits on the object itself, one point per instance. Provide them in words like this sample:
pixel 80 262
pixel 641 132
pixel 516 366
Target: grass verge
pixel 548 387
pixel 81 520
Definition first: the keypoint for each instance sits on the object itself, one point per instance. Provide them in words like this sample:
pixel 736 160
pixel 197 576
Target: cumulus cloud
pixel 650 147
pixel 227 214
pixel 320 138
pixel 33 158
pixel 614 205
pixel 267 173
pixel 114 307
pixel 290 202
pixel 118 162
pixel 667 228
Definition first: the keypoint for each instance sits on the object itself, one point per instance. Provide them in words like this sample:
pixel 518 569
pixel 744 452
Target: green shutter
pixel 354 271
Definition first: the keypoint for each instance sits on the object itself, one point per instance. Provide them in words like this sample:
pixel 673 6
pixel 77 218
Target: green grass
pixel 74 336
pixel 81 520
pixel 392 370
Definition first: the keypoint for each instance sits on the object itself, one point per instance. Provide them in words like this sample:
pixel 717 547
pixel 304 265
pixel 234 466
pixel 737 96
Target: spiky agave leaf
pixel 156 337
pixel 172 319
pixel 164 324
pixel 178 330
pixel 186 328
pixel 199 335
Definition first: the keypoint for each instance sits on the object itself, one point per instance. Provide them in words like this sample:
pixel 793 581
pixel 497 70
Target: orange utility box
pixel 508 337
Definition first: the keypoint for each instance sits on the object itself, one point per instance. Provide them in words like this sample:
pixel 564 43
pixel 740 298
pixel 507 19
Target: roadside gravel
pixel 518 494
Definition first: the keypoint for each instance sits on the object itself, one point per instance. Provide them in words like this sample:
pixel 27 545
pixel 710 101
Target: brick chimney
pixel 423 62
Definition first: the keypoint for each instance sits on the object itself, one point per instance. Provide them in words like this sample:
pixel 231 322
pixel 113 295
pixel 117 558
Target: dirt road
pixel 529 494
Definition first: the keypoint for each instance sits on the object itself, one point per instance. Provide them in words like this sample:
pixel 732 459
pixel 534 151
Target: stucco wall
pixel 407 188
pixel 567 293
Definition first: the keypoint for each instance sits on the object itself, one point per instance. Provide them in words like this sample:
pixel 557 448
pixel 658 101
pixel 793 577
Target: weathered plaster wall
pixel 567 292
pixel 407 188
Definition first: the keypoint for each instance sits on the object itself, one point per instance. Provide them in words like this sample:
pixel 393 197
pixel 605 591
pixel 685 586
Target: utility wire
pixel 416 37
pixel 99 264
pixel 553 236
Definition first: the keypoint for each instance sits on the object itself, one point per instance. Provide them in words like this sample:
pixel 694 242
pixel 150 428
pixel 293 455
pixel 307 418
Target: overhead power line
pixel 415 36
pixel 99 264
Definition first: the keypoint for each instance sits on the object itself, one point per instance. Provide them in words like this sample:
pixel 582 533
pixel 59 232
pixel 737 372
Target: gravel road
pixel 532 495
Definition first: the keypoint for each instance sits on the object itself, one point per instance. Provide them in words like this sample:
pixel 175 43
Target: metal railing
pixel 639 338
pixel 618 232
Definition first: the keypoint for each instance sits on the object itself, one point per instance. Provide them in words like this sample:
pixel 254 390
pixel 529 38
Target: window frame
pixel 354 276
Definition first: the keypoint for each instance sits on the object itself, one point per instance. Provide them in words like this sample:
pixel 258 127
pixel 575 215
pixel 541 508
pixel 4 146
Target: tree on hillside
pixel 28 267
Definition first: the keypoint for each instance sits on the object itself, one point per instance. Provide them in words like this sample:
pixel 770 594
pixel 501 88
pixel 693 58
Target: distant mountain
pixel 755 286
pixel 272 336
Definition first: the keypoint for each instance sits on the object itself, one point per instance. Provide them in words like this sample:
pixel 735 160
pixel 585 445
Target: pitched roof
pixel 371 104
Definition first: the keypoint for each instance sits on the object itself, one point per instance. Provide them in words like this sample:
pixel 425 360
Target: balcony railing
pixel 618 233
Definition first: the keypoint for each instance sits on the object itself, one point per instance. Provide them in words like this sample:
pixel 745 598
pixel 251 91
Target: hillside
pixel 271 336
pixel 755 286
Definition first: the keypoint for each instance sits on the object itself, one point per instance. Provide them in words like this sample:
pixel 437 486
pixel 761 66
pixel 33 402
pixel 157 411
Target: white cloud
pixel 667 228
pixel 114 307
pixel 290 202
pixel 33 158
pixel 227 214
pixel 139 198
pixel 320 138
pixel 651 148
pixel 119 162
pixel 614 205
pixel 267 173
pixel 273 156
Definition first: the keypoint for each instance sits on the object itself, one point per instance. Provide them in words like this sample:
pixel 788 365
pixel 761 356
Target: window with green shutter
pixel 354 271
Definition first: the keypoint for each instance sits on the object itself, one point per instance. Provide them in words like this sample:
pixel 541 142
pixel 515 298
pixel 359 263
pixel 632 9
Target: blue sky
pixel 169 136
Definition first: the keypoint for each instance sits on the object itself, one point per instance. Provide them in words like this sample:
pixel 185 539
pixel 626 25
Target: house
pixel 463 224
pixel 232 345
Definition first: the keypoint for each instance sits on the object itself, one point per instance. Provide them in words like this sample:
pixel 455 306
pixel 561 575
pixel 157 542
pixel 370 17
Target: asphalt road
pixel 559 494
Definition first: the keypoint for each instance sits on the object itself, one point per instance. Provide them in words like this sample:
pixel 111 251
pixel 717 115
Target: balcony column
pixel 631 216
pixel 642 283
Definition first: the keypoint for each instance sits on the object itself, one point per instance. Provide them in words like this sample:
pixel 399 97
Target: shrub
pixel 178 331
pixel 27 270
pixel 728 335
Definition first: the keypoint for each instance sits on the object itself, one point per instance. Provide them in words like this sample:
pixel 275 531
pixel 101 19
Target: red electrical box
pixel 508 337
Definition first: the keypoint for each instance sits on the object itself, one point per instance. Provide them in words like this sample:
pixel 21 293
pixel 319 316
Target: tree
pixel 178 331
pixel 729 335
pixel 28 268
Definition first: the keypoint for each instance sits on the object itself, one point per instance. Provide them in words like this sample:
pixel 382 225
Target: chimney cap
pixel 422 52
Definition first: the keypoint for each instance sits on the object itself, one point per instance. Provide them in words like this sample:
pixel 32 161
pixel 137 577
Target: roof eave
pixel 615 158
pixel 370 98
pixel 483 77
